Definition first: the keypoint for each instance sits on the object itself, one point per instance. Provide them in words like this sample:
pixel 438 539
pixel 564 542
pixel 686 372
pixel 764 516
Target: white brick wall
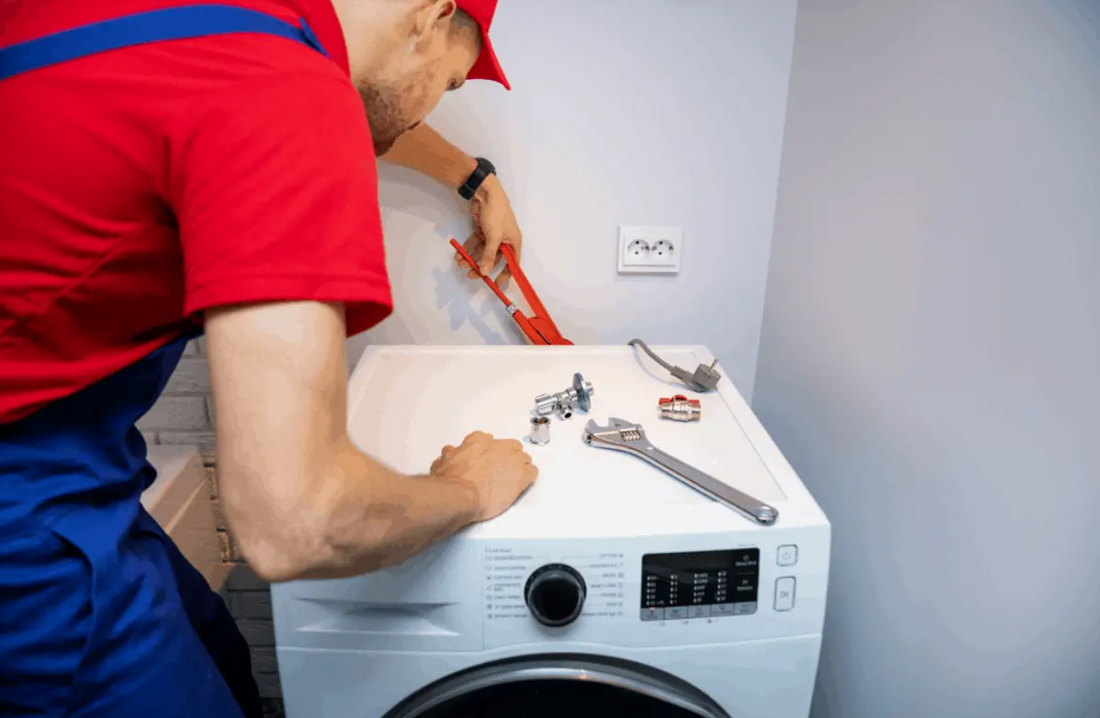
pixel 185 413
pixel 190 378
pixel 202 439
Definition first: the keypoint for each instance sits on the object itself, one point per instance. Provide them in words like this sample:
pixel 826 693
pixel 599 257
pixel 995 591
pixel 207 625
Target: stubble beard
pixel 383 116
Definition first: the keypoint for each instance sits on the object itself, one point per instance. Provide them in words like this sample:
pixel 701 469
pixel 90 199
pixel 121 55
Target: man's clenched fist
pixel 498 469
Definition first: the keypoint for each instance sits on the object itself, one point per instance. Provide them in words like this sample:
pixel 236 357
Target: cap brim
pixel 487 66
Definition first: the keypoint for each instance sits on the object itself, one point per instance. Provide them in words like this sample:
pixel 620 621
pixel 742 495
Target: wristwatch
pixel 484 169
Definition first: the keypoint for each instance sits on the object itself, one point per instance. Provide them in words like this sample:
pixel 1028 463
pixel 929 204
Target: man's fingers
pixel 489 252
pixel 474 247
pixel 505 276
pixel 477 436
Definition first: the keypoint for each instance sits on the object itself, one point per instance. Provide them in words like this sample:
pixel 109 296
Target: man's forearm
pixel 299 498
pixel 374 518
pixel 425 151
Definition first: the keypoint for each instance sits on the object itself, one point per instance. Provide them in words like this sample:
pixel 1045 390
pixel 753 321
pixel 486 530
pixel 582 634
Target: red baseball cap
pixel 487 67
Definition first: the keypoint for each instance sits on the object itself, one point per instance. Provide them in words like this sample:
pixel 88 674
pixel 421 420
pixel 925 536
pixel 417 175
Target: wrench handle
pixel 751 507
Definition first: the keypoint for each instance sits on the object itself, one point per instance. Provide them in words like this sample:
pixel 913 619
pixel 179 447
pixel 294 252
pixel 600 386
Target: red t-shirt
pixel 141 186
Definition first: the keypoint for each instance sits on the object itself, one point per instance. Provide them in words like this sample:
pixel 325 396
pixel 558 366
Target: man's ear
pixel 434 17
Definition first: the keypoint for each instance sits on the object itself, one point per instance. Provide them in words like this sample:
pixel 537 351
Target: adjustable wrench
pixel 630 438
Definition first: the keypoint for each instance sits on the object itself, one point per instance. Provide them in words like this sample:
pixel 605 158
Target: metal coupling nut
pixel 540 430
pixel 680 408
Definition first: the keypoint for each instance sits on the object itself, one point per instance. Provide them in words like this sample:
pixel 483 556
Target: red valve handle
pixel 680 397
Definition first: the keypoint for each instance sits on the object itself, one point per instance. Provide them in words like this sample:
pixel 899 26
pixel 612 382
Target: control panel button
pixel 674 613
pixel 787 555
pixel 784 593
pixel 744 609
pixel 722 609
pixel 699 612
pixel 653 614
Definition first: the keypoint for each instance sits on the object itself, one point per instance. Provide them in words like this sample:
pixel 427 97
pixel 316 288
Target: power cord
pixel 704 378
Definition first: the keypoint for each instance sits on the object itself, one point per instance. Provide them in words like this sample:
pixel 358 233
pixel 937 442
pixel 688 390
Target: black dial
pixel 555 594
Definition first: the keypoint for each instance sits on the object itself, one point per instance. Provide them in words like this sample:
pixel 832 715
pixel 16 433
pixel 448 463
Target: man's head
pixel 405 54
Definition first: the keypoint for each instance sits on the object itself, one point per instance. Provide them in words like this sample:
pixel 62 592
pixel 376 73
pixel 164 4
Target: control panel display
pixel 700 584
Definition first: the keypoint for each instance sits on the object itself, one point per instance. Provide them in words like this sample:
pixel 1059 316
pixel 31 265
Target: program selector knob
pixel 555 594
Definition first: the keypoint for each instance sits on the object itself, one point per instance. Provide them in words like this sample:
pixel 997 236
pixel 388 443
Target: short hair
pixel 464 23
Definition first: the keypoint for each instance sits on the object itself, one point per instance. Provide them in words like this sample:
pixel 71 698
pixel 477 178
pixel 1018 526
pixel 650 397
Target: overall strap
pixel 175 23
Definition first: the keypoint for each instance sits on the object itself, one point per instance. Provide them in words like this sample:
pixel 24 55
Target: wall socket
pixel 650 250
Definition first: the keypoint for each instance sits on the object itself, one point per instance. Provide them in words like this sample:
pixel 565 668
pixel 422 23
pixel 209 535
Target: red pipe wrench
pixel 539 328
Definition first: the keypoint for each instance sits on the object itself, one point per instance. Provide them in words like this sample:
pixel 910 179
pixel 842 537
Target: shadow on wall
pixel 461 312
pixel 420 217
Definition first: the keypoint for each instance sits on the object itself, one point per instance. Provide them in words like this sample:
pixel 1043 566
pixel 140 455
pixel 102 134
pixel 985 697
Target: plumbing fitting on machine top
pixel 680 408
pixel 562 403
pixel 630 438
pixel 540 430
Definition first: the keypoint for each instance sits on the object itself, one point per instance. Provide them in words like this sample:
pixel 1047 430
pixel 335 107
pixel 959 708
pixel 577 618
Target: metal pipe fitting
pixel 540 430
pixel 563 402
pixel 680 408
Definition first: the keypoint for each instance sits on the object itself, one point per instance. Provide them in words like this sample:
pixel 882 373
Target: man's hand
pixel 499 470
pixel 425 151
pixel 494 224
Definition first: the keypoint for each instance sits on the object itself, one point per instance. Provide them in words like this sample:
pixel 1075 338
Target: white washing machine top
pixel 607 567
pixel 406 403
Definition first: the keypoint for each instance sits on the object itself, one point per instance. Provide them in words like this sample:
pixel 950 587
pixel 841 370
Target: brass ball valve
pixel 680 408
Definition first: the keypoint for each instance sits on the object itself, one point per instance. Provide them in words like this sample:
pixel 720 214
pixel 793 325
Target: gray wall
pixel 623 112
pixel 931 349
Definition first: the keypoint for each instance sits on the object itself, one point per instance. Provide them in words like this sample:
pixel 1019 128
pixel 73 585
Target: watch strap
pixel 484 169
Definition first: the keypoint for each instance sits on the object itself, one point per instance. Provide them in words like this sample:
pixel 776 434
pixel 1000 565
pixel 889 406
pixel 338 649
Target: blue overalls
pixel 100 614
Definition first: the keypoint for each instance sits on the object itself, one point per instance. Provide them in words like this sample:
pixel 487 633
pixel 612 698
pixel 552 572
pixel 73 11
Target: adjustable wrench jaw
pixel 620 434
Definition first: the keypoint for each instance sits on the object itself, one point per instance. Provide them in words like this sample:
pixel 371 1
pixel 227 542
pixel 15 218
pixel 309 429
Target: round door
pixel 559 687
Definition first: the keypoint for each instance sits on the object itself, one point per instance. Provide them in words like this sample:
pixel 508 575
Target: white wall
pixel 623 112
pixel 931 349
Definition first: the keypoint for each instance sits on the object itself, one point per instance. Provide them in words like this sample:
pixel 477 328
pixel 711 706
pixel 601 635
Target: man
pixel 165 169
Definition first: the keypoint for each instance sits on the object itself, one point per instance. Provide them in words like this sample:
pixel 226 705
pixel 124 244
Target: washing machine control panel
pixel 700 584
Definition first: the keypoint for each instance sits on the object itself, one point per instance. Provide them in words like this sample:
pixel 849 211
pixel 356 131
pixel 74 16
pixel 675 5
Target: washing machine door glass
pixel 559 686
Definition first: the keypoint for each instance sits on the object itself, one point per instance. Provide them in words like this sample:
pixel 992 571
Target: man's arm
pixel 300 499
pixel 426 151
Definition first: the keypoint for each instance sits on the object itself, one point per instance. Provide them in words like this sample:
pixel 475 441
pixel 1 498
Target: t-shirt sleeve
pixel 275 190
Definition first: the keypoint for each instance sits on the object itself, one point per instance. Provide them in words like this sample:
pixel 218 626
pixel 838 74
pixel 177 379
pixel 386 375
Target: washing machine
pixel 610 588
